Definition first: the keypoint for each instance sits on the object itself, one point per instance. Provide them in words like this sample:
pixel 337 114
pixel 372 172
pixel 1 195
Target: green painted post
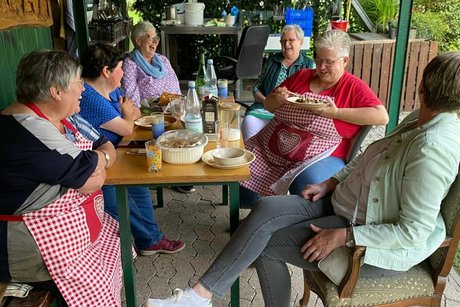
pixel 399 63
pixel 234 221
pixel 81 28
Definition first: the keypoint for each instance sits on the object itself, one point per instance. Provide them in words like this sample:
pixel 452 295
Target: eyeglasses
pixel 81 81
pixel 326 62
pixel 153 39
pixel 290 41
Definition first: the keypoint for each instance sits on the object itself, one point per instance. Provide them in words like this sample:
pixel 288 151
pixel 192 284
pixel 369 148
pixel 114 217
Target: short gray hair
pixel 141 29
pixel 441 83
pixel 298 31
pixel 42 69
pixel 334 39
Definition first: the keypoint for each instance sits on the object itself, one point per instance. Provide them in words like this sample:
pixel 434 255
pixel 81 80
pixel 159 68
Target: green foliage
pixel 430 25
pixel 457 258
pixel 448 10
pixel 381 12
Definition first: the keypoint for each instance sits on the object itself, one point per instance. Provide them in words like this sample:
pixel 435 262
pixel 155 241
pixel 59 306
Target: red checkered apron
pixel 79 243
pixel 291 139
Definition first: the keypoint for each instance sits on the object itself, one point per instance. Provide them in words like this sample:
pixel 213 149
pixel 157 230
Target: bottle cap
pixel 191 84
pixel 210 61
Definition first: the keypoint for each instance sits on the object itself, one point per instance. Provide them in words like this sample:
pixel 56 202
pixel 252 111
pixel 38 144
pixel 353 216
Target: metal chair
pixel 422 285
pixel 249 57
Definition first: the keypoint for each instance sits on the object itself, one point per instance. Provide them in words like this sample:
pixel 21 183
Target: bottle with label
pixel 193 119
pixel 211 79
pixel 200 78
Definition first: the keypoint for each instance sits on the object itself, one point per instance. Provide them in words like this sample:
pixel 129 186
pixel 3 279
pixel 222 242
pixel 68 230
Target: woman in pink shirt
pixel 147 74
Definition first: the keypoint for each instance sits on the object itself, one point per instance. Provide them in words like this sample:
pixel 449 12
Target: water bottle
pixel 193 120
pixel 211 79
pixel 200 78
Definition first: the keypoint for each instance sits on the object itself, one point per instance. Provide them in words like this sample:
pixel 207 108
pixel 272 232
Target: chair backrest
pixel 250 51
pixel 356 142
pixel 441 260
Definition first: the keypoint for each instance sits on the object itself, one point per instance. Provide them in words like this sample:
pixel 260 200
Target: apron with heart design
pixel 291 141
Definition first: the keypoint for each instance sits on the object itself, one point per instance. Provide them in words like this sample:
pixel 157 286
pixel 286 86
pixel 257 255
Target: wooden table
pixel 131 170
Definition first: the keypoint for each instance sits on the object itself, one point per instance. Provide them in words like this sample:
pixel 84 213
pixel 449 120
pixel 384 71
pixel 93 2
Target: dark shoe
pixel 186 189
pixel 164 246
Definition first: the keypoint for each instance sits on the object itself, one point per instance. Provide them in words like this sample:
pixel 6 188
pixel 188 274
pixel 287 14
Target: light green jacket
pixel 403 222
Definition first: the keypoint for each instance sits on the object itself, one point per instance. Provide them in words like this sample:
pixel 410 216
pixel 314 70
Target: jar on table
pixel 229 115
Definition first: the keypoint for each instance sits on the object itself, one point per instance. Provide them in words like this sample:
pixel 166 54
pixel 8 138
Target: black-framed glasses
pixel 153 39
pixel 326 62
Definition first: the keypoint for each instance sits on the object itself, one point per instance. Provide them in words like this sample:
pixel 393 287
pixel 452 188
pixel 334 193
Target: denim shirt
pixel 403 224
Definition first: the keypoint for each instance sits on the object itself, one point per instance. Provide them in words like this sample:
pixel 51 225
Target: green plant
pixel 381 12
pixel 448 9
pixel 430 25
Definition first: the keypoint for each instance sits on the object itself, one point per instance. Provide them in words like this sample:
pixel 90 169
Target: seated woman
pixel 301 146
pixel 147 73
pixel 54 233
pixel 103 105
pixel 279 66
pixel 390 195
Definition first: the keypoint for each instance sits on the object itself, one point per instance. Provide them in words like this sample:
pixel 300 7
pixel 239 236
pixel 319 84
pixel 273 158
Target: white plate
pixel 310 106
pixel 209 160
pixel 146 121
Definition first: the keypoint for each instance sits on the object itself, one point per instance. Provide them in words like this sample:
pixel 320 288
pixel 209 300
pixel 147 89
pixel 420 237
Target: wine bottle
pixel 200 78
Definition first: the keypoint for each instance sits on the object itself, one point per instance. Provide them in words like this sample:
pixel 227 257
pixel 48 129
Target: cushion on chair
pixel 416 282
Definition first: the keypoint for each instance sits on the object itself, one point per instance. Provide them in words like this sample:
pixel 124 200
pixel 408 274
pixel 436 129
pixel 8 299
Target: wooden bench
pixel 372 61
pixel 36 298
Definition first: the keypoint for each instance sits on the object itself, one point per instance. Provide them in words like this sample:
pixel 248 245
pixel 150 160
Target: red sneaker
pixel 164 246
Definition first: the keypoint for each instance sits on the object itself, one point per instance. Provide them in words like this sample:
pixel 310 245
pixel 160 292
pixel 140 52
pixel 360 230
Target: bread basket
pixel 182 146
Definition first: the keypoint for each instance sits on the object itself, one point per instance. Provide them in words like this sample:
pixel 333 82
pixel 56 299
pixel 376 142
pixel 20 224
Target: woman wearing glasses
pixel 146 73
pixel 279 66
pixel 300 146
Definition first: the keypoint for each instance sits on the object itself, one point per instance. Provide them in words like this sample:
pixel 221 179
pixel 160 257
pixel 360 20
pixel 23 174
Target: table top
pixel 132 169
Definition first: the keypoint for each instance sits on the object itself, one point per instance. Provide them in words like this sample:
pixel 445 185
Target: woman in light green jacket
pixel 388 199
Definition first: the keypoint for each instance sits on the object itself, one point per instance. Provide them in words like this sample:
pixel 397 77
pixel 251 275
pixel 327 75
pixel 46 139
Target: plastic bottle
pixel 211 79
pixel 200 78
pixel 193 119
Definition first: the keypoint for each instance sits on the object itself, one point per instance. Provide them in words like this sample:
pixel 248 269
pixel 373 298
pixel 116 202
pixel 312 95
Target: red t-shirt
pixel 348 92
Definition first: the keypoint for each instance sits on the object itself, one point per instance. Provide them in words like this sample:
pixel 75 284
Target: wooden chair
pixel 422 285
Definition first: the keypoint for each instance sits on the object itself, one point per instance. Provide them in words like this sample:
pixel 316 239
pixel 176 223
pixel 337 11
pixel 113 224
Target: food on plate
pixel 310 100
pixel 166 98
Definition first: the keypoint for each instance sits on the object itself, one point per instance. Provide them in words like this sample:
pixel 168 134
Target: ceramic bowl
pixel 228 156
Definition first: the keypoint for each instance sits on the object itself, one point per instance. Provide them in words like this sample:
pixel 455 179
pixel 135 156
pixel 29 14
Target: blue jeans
pixel 316 173
pixel 143 226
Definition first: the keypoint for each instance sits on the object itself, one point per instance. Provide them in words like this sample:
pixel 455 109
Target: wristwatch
pixel 107 158
pixel 350 242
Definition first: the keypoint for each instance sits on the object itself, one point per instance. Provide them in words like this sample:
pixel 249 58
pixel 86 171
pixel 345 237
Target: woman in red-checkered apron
pixel 79 242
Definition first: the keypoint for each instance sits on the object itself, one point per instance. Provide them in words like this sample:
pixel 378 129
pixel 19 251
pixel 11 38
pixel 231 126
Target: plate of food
pixel 146 121
pixel 308 102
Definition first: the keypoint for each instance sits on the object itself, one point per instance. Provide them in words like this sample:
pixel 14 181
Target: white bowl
pixel 228 156
pixel 189 154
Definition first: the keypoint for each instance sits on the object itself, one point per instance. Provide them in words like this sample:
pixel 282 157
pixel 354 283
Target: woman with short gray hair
pixel 278 68
pixel 147 74
pixel 52 218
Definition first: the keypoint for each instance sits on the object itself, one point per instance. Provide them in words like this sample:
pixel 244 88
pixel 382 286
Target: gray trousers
pixel 272 235
pixel 270 215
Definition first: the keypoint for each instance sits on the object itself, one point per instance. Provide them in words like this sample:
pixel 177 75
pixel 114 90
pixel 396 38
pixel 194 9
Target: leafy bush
pixel 381 12
pixel 430 25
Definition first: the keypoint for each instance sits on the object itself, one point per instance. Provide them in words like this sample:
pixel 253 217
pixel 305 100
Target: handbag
pixel 335 265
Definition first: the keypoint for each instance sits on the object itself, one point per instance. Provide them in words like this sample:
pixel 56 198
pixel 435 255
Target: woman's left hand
pixel 323 243
pixel 329 111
